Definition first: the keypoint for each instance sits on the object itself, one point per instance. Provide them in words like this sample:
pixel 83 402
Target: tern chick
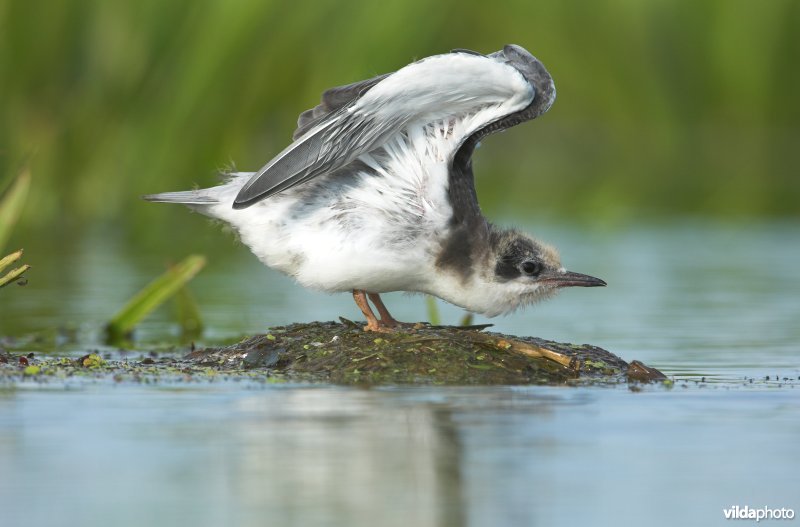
pixel 376 191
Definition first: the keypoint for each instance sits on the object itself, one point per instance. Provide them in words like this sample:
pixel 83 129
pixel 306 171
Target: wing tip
pixel 246 197
pixel 238 205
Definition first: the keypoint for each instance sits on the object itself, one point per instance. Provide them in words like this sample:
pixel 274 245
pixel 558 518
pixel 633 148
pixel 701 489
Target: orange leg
pixel 386 324
pixel 361 301
pixel 386 318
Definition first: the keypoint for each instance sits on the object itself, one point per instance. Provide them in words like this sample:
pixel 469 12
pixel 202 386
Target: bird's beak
pixel 570 279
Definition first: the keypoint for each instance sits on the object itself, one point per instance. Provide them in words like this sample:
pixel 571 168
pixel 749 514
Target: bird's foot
pixel 379 327
pixel 382 326
pixel 385 324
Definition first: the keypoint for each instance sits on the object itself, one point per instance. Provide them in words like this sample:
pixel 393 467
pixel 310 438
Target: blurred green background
pixel 664 107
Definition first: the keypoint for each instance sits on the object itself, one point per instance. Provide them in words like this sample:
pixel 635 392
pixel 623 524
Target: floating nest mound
pixel 342 353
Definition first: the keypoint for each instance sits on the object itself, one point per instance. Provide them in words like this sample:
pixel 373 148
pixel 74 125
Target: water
pixel 715 306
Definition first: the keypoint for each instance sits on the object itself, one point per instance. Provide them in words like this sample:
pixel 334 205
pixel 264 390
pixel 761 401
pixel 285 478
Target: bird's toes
pixel 379 328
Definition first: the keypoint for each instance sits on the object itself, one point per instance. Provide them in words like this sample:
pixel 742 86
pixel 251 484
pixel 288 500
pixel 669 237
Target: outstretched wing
pixel 332 100
pixel 358 118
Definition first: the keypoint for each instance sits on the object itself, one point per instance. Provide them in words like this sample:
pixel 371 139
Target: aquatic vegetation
pixel 433 310
pixel 12 199
pixel 655 117
pixel 436 319
pixel 169 284
pixel 424 354
pixel 13 274
pixel 342 353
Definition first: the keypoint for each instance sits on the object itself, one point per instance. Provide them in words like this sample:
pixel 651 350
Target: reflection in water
pixel 308 454
pixel 396 456
pixel 426 456
pixel 315 455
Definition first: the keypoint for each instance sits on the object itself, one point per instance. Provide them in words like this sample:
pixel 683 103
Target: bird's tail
pixel 186 197
pixel 202 199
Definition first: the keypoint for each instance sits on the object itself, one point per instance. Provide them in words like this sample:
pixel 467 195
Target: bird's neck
pixel 461 273
pixel 479 294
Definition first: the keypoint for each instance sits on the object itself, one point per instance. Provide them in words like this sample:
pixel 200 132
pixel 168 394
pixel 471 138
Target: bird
pixel 376 191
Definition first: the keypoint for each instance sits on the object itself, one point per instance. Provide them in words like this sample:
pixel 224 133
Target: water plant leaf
pixel 435 319
pixel 11 258
pixel 188 313
pixel 12 198
pixel 433 311
pixel 14 274
pixel 152 296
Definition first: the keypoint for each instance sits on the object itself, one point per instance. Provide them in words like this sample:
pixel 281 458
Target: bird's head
pixel 521 270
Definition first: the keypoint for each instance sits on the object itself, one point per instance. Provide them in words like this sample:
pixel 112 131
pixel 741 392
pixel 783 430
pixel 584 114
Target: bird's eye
pixel 531 268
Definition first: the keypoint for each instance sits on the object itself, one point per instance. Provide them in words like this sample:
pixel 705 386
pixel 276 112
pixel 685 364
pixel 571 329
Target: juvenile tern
pixel 376 191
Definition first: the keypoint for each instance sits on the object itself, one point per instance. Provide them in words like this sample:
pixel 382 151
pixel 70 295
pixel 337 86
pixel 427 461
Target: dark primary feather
pixel 323 151
pixel 332 100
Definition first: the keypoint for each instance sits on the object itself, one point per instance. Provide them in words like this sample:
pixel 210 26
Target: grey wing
pixel 334 142
pixel 341 96
pixel 327 137
pixel 358 118
pixel 338 141
pixel 332 100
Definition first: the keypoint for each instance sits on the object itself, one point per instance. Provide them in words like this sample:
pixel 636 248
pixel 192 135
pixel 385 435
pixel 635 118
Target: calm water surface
pixel 715 306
